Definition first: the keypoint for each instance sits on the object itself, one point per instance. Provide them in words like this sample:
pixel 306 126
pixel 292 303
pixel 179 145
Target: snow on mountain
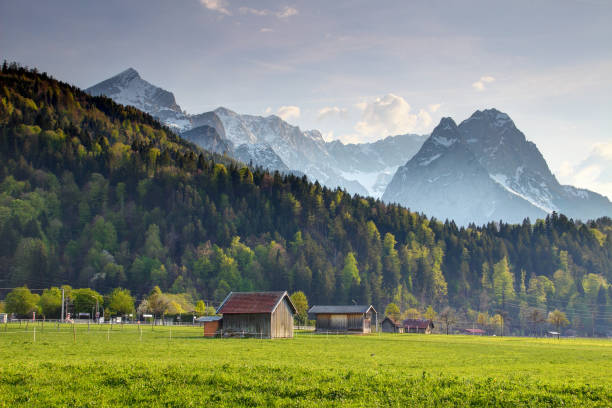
pixel 269 142
pixel 128 88
pixel 485 170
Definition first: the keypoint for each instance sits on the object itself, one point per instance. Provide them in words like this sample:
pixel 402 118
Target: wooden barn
pixel 344 319
pixel 267 315
pixel 418 326
pixel 389 325
pixel 212 325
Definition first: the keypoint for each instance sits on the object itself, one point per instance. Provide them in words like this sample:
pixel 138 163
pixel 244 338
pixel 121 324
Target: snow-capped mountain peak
pixel 489 171
pixel 128 88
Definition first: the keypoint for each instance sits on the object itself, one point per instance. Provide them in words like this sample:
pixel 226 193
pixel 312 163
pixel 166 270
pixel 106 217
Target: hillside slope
pixel 100 195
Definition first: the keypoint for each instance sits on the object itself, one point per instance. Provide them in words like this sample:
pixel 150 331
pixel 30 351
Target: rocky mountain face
pixel 485 170
pixel 269 142
pixel 128 88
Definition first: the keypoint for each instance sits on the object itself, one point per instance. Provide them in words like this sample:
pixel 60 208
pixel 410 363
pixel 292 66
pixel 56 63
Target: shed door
pixel 339 322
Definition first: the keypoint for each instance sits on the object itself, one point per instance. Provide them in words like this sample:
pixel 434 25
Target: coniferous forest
pixel 97 195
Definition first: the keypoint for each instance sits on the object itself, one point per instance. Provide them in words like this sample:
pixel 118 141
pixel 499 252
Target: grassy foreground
pixel 182 369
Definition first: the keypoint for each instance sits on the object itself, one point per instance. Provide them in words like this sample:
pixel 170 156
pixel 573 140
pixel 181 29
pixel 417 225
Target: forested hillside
pixel 95 194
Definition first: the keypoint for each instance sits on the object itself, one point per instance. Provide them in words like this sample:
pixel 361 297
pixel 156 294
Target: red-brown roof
pixel 393 322
pixel 475 331
pixel 253 302
pixel 418 323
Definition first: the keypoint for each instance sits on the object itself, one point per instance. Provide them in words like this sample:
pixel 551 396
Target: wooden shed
pixel 212 325
pixel 344 319
pixel 418 326
pixel 266 315
pixel 389 325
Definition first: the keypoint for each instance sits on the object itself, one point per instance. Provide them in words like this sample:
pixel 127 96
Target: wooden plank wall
pixel 256 324
pixel 282 321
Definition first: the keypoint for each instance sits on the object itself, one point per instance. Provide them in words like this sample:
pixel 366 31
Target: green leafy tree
pixel 300 302
pixel 51 302
pixel 85 300
pixel 392 311
pixel 121 302
pixel 21 302
pixel 503 283
pixel 558 319
pixel 200 308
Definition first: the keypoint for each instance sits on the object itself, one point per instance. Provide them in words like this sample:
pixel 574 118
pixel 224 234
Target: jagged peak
pixel 446 123
pixel 495 117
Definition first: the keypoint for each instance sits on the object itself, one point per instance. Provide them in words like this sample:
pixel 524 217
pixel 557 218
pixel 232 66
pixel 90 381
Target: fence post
pixel 108 334
pixel 34 335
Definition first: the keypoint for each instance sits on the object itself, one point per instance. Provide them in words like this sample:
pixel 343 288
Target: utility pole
pixel 62 316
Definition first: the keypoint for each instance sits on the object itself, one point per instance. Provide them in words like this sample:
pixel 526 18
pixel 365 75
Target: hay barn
pixel 389 325
pixel 258 314
pixel 418 326
pixel 344 319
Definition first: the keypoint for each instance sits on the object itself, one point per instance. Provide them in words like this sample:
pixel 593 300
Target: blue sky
pixel 358 70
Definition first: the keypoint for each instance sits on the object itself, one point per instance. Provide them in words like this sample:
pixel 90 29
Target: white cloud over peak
pixel 330 112
pixel 593 173
pixel 219 6
pixel 283 13
pixel 288 112
pixel 286 12
pixel 434 107
pixel 480 84
pixel 391 115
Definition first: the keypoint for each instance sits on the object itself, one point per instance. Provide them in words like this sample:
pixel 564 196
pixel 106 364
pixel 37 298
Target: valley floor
pixel 177 367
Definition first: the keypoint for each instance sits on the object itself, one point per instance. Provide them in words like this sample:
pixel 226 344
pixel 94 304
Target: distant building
pixel 418 326
pixel 389 325
pixel 211 324
pixel 344 319
pixel 258 314
pixel 474 332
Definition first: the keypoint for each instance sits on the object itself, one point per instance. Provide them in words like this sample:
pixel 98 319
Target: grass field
pixel 119 368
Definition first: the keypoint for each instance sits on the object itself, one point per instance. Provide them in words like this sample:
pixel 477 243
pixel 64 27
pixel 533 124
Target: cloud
pixel 391 115
pixel 268 110
pixel 255 12
pixel 285 12
pixel 330 112
pixel 480 84
pixel 266 30
pixel 219 6
pixel 434 107
pixel 288 112
pixel 593 173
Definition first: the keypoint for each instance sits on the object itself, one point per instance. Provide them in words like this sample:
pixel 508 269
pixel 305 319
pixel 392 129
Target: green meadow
pixel 163 367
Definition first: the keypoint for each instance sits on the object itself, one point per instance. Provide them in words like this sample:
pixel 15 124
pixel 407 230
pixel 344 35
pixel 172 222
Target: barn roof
pixel 348 309
pixel 253 302
pixel 475 331
pixel 393 322
pixel 418 323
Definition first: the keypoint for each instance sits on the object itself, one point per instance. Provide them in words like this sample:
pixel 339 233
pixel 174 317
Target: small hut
pixel 211 325
pixel 258 314
pixel 418 326
pixel 389 325
pixel 344 319
pixel 474 332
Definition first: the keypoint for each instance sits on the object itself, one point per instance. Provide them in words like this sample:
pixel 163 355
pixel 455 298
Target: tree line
pixel 99 195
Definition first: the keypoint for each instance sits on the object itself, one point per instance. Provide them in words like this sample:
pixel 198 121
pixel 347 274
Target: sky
pixel 356 70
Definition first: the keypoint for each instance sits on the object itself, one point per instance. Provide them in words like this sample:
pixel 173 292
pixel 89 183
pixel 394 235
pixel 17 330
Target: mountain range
pixel 485 170
pixel 482 170
pixel 269 142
